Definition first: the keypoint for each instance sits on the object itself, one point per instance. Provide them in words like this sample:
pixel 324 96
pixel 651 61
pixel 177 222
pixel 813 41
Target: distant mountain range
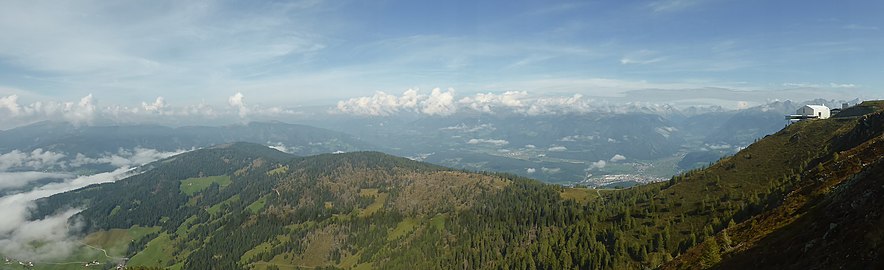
pixel 64 137
pixel 650 141
pixel 97 142
pixel 806 197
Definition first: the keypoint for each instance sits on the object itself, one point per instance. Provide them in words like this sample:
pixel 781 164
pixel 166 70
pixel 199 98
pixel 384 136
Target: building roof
pixel 818 107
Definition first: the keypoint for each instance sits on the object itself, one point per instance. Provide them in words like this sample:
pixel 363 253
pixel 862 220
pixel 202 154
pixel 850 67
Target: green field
pixel 187 227
pixel 191 186
pixel 158 252
pixel 256 206
pixel 261 248
pixel 581 195
pixel 403 228
pixel 115 241
pixel 379 200
pixel 278 171
pixel 438 222
pixel 217 207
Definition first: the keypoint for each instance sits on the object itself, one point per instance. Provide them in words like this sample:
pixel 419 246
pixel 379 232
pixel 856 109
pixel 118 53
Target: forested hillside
pixel 247 206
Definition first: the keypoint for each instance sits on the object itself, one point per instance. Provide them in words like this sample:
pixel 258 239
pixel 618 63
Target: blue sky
pixel 287 53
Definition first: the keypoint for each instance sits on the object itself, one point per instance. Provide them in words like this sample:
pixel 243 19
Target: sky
pixel 73 59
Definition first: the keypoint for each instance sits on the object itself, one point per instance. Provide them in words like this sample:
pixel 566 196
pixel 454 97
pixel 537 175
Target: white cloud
pixel 663 131
pixel 439 103
pixel 618 158
pixel 842 85
pixel 37 159
pixel 642 57
pixel 81 113
pixel 487 102
pixel 854 26
pixel 282 147
pixel 557 149
pixel 672 5
pixel 21 179
pixel 78 113
pixel 381 103
pixel 530 146
pixel 442 103
pixel 575 138
pixel 559 105
pixel 52 230
pixel 86 111
pixel 237 101
pixel 530 170
pixel 488 141
pixel 598 165
pixel 10 103
pixel 819 85
pixel 465 128
pixel 17 232
pixel 135 157
pixel 550 170
pixel 157 106
pixel 661 99
pixel 719 146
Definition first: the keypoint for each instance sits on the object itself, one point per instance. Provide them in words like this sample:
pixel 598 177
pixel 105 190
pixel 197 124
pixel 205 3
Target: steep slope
pixel 828 217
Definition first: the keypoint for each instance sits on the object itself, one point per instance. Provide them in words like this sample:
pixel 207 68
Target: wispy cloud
pixel 641 57
pixel 185 52
pixel 162 47
pixel 817 85
pixel 495 142
pixel 854 26
pixel 672 5
pixel 37 159
pixel 617 158
pixel 13 180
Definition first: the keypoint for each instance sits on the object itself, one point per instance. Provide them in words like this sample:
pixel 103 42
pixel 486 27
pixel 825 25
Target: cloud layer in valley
pixel 18 231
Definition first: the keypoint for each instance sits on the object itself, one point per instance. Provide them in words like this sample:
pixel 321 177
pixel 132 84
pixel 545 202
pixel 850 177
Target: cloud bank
pixel 11 180
pixel 80 112
pixel 17 232
pixel 438 102
pixel 37 159
pixel 88 111
pixel 495 142
pixel 234 108
pixel 444 103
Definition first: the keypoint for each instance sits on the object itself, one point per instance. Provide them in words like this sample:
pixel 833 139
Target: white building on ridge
pixel 815 111
pixel 810 112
